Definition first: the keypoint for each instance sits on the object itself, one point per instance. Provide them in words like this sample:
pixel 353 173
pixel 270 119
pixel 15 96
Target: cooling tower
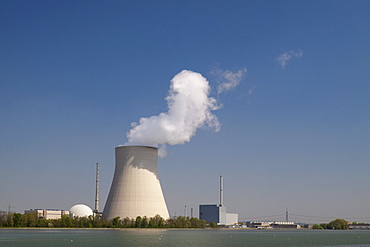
pixel 136 190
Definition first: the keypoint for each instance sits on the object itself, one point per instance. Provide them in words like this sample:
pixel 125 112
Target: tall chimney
pixel 97 189
pixel 136 189
pixel 221 191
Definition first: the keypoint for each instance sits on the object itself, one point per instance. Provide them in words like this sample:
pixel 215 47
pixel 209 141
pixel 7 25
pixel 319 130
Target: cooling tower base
pixel 136 189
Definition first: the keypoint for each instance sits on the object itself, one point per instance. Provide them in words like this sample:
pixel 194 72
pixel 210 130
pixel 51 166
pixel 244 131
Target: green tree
pixel 55 222
pixel 90 221
pixel 194 223
pixel 138 222
pixel 75 221
pixel 10 220
pixel 117 222
pixel 202 223
pixel 324 225
pixel 17 219
pixel 212 224
pixel 144 222
pixel 182 222
pixel 170 223
pixel 29 220
pixel 133 221
pixel 152 223
pixel 316 226
pixel 66 221
pixel 83 222
pixel 43 223
pixel 3 219
pixel 339 224
pixel 127 223
pixel 159 221
pixel 105 223
pixel 95 221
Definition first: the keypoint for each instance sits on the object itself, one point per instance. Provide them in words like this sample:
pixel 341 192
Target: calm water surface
pixel 186 238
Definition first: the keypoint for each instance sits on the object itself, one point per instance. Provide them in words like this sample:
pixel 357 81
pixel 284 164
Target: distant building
pixel 217 214
pixel 306 226
pixel 48 214
pixel 258 225
pixel 284 225
pixel 359 226
pixel 80 210
pixel 231 219
pixel 273 224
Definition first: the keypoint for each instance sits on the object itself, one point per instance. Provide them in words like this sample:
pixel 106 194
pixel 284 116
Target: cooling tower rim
pixel 144 146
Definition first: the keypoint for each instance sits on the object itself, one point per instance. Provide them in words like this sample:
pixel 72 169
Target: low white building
pixel 231 219
pixel 272 224
pixel 48 214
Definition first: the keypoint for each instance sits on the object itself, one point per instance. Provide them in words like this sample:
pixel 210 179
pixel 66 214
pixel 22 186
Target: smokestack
pixel 136 189
pixel 97 190
pixel 221 192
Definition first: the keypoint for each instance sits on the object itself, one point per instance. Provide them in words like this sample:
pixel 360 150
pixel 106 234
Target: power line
pixel 259 217
pixel 326 217
pixel 307 216
pixel 300 217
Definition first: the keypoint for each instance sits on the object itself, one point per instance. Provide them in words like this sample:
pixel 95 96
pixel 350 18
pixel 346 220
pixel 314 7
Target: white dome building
pixel 80 210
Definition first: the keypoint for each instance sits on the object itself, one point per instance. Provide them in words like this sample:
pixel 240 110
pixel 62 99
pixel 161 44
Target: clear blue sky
pixel 75 74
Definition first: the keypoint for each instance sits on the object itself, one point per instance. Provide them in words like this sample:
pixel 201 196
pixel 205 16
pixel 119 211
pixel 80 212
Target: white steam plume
pixel 189 108
pixel 227 79
pixel 285 57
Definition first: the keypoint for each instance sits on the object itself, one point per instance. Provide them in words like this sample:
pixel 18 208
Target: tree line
pixel 32 220
pixel 337 224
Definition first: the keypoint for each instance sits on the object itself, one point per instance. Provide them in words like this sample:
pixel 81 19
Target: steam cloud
pixel 285 57
pixel 189 108
pixel 227 79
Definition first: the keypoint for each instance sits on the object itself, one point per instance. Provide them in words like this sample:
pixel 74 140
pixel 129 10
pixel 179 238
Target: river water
pixel 180 237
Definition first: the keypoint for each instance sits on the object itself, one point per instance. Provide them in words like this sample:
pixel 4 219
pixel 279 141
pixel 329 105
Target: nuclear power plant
pixel 136 189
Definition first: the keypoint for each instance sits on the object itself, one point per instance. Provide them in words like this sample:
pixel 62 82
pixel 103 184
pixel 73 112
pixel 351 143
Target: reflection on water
pixel 180 237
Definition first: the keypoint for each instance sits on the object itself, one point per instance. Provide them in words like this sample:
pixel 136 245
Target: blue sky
pixel 76 74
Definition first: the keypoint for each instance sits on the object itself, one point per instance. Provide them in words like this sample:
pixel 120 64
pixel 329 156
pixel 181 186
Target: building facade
pixel 359 226
pixel 48 214
pixel 217 214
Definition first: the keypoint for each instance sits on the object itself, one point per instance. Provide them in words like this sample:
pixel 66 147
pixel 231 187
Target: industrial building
pixel 362 226
pixel 136 189
pixel 216 213
pixel 273 224
pixel 80 210
pixel 48 214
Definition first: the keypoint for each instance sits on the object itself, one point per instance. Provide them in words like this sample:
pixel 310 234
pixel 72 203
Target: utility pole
pixel 286 215
pixel 9 208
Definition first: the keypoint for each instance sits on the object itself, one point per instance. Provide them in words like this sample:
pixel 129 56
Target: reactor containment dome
pixel 136 189
pixel 80 210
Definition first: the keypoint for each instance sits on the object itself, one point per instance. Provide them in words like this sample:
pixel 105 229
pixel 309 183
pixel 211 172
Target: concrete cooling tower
pixel 136 190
